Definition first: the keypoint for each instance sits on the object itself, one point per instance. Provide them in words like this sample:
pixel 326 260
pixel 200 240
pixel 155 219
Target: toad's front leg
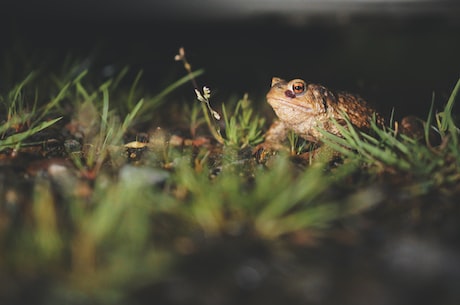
pixel 274 138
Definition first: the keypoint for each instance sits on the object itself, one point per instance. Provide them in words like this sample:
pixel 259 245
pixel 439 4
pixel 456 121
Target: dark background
pixel 394 53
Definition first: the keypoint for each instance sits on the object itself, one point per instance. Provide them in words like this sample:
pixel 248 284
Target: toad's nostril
pixel 289 93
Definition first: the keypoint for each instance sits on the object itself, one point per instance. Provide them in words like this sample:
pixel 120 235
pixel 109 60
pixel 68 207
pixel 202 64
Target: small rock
pixel 142 176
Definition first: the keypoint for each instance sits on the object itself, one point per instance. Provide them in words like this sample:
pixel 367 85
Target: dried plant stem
pixel 211 116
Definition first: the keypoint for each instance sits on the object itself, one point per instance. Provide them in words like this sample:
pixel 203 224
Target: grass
pixel 242 127
pixel 22 119
pixel 102 224
pixel 387 150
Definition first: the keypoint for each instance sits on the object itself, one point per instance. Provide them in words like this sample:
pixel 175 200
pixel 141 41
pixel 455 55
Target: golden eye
pixel 298 87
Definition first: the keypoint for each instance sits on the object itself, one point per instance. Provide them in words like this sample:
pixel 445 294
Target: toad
pixel 303 107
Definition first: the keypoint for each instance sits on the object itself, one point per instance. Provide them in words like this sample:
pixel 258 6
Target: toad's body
pixel 303 107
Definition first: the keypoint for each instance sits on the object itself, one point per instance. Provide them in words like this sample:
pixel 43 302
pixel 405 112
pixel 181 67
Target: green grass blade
pixel 133 89
pixel 130 117
pixel 448 121
pixel 18 89
pixel 155 101
pixel 449 107
pixel 55 101
pixel 17 138
pixel 429 120
pixel 120 76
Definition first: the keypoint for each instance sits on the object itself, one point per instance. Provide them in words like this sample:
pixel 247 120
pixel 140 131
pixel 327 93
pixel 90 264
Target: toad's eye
pixel 298 87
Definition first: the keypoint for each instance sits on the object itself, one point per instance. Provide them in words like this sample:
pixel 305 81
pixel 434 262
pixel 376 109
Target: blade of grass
pixel 55 101
pixel 130 117
pixel 133 89
pixel 158 99
pixel 447 119
pixel 47 237
pixel 18 89
pixel 429 121
pixel 17 138
pixel 120 76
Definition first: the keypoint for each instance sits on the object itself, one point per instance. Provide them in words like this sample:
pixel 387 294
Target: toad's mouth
pixel 278 103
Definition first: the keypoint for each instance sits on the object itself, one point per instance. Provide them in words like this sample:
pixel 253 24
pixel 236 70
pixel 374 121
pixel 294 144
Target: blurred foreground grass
pixel 98 219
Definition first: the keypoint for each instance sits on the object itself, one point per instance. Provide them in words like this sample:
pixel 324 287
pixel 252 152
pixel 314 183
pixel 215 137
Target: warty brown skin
pixel 303 107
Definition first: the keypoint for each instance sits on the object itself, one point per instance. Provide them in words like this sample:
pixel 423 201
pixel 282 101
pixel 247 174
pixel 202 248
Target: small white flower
pixel 199 96
pixel 181 55
pixel 181 51
pixel 204 98
pixel 216 115
pixel 207 92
